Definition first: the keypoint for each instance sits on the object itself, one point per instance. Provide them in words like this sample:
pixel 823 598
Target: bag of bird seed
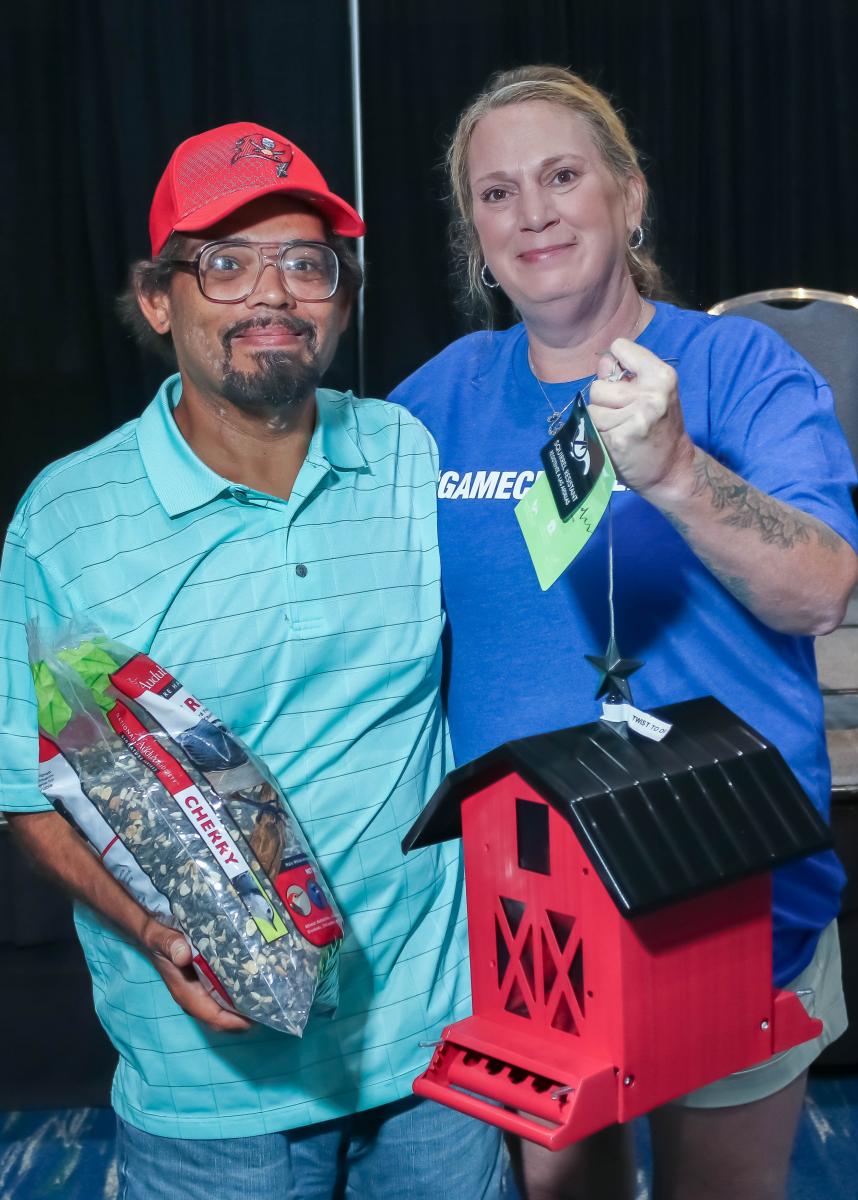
pixel 190 821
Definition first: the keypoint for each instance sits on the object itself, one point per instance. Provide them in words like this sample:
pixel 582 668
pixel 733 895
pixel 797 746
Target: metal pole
pixel 357 136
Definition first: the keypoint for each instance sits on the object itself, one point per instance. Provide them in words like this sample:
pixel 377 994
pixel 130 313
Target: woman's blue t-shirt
pixel 516 661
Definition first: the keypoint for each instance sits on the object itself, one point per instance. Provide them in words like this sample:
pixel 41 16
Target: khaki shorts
pixel 821 989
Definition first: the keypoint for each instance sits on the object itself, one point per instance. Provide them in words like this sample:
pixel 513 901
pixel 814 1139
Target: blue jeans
pixel 411 1150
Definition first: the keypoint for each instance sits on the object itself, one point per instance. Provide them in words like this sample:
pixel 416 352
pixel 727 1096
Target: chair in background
pixel 823 328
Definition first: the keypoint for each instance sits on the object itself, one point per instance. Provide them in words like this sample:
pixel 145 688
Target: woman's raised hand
pixel 640 419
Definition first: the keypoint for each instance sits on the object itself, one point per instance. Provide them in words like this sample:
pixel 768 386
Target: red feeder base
pixel 556 1100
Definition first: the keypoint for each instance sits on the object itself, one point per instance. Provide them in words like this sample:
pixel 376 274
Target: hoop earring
pixel 636 238
pixel 485 271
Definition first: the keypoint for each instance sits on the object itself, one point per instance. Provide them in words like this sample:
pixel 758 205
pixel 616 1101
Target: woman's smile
pixel 545 254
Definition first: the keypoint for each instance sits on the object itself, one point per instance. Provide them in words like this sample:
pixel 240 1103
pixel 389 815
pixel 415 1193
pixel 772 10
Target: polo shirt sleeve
pixel 27 592
pixel 772 421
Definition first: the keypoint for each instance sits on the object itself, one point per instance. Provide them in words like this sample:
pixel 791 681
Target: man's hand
pixel 171 956
pixel 63 855
pixel 640 420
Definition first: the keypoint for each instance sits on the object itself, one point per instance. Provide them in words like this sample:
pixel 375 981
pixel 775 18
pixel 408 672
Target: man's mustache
pixel 294 325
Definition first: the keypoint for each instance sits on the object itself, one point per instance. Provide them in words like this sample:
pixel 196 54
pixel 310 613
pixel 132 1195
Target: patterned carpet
pixel 68 1153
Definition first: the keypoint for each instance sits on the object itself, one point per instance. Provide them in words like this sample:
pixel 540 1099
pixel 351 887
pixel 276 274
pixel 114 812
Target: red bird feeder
pixel 619 910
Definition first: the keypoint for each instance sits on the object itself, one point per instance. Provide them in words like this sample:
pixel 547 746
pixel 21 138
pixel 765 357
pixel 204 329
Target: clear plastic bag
pixel 190 821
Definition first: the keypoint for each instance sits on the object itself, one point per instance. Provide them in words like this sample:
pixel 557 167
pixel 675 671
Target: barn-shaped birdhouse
pixel 619 910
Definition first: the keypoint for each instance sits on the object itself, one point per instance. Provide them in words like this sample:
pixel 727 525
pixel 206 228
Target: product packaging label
pixel 197 730
pixel 200 814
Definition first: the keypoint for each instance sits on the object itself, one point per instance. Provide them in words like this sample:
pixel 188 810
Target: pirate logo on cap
pixel 264 147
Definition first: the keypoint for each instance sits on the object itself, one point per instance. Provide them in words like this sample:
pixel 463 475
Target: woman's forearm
pixel 789 568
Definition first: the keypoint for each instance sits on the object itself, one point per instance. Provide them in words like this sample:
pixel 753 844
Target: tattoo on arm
pixel 735 584
pixel 744 507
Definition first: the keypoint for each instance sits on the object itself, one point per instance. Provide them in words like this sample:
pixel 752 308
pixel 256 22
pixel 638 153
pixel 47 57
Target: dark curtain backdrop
pixel 745 112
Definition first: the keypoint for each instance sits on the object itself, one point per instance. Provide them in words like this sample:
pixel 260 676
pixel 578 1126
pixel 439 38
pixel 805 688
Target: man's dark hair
pixel 150 276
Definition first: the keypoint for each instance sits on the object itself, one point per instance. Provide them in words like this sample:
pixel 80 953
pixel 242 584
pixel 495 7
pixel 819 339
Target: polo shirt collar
pixel 183 482
pixel 335 438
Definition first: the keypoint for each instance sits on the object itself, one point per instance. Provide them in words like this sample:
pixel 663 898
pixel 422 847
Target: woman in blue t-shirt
pixel 734 543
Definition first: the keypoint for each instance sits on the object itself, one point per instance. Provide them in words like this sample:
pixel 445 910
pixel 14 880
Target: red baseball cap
pixel 214 173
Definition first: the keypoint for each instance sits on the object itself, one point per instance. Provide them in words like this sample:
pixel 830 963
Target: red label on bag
pixel 308 905
pixel 47 748
pixel 161 694
pixel 141 674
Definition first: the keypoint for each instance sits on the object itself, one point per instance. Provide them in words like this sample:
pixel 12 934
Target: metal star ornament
pixel 615 671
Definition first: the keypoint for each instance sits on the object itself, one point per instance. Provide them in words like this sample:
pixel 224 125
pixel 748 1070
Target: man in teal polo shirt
pixel 273 543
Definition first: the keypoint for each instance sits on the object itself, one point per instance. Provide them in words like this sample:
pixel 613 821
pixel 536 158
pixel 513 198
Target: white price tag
pixel 638 720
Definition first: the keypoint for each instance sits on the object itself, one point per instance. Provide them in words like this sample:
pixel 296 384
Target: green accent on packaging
pixel 54 711
pixel 270 930
pixel 94 665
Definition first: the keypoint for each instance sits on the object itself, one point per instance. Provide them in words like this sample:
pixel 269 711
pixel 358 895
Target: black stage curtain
pixel 745 114
pixel 99 93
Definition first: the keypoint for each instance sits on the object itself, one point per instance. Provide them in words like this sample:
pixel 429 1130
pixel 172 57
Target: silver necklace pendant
pixel 555 421
pixel 558 419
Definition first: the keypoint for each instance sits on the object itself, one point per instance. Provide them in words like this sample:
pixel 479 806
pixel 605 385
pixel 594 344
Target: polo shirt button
pixel 240 495
pixel 301 570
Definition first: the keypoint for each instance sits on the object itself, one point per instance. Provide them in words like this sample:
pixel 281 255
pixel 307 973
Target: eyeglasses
pixel 228 272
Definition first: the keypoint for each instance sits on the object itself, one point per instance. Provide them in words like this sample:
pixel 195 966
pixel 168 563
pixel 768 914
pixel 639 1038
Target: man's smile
pixel 270 333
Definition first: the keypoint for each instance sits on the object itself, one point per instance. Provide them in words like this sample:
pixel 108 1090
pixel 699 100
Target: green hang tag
pixel 552 542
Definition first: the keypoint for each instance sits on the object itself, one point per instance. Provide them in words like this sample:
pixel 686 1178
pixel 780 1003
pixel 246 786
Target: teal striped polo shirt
pixel 311 627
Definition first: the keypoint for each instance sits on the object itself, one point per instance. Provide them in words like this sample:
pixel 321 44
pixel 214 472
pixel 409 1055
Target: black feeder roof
pixel 660 821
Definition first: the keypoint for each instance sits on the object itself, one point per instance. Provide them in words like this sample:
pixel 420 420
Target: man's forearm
pixel 64 856
pixel 790 569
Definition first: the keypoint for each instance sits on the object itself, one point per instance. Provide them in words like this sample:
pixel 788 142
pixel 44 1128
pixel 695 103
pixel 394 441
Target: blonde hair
pixel 557 86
